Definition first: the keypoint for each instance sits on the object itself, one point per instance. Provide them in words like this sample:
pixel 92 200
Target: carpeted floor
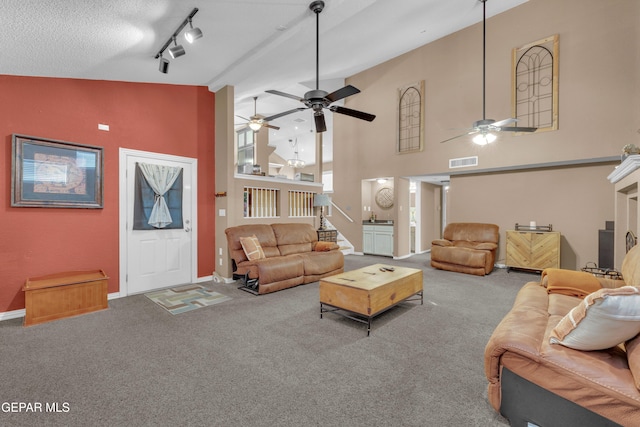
pixel 263 360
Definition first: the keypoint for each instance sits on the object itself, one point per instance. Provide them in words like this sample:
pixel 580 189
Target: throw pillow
pixel 633 357
pixel 323 246
pixel 252 248
pixel 602 320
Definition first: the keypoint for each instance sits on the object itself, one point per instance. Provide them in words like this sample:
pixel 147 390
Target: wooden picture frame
pixel 55 174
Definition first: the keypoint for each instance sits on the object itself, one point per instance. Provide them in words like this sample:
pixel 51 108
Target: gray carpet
pixel 263 361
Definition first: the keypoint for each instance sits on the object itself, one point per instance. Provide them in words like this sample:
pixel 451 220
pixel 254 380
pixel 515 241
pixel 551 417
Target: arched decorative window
pixel 535 84
pixel 410 118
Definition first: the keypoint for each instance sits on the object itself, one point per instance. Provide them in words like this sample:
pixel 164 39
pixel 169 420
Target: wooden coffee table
pixel 362 294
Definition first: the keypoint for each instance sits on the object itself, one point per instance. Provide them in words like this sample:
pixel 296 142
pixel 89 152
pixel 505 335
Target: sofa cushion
pixel 294 238
pixel 633 357
pixel 263 232
pixel 631 267
pixel 472 232
pixel 252 248
pixel 458 256
pixel 602 320
pixel 319 263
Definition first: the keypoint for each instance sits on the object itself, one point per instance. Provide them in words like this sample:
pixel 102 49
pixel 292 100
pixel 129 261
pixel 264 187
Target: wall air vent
pixel 463 162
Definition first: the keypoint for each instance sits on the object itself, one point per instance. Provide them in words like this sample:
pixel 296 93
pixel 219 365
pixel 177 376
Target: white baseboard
pixel 204 279
pixel 14 314
pixel 218 278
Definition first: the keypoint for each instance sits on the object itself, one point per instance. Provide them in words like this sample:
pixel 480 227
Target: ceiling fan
pixel 319 99
pixel 257 121
pixel 483 128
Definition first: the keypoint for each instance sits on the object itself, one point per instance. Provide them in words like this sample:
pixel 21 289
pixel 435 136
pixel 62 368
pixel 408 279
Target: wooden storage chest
pixel 61 295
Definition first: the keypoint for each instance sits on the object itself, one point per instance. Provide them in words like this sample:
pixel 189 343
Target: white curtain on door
pixel 160 179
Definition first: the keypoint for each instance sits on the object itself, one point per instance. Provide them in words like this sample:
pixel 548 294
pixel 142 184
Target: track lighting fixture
pixel 164 65
pixel 193 34
pixel 177 50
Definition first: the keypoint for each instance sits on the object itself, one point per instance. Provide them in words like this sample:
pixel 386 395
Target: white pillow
pixel 603 319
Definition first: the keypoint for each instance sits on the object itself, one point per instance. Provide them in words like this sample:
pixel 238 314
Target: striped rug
pixel 185 298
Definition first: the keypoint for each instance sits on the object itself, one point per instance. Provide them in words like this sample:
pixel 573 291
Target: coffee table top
pixel 370 277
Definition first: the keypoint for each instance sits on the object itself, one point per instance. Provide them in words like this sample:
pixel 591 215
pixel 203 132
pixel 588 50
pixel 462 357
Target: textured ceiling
pixel 253 45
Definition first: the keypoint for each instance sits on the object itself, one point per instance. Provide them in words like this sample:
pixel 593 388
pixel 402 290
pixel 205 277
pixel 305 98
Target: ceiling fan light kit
pixel 256 122
pixel 178 50
pixel 318 100
pixel 483 128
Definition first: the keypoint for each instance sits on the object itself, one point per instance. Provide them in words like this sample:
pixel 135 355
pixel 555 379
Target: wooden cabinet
pixel 377 239
pixel 533 250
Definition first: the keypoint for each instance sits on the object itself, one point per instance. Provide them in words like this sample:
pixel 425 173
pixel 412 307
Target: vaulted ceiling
pixel 253 45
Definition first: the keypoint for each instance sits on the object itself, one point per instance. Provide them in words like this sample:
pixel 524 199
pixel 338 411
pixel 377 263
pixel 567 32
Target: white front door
pixel 157 258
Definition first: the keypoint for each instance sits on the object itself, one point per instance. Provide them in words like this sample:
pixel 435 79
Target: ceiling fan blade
pixel 504 122
pixel 518 129
pixel 321 125
pixel 342 93
pixel 353 113
pixel 287 95
pixel 270 126
pixel 243 118
pixel 471 132
pixel 275 116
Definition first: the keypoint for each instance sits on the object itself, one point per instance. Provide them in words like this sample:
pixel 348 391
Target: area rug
pixel 185 298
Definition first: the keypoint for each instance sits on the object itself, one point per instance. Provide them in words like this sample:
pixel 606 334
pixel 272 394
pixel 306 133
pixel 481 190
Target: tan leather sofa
pixel 293 255
pixel 466 247
pixel 534 380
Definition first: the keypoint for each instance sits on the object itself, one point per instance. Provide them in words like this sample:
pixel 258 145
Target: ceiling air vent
pixel 463 162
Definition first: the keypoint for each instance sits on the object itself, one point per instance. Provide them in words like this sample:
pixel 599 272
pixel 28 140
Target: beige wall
pixel 576 201
pixel 599 113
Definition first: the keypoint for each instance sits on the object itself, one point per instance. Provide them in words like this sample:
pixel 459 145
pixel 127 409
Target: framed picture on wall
pixel 58 174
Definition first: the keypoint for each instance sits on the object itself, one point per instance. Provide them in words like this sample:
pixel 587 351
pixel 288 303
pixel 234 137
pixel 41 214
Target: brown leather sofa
pixel 466 247
pixel 532 380
pixel 293 256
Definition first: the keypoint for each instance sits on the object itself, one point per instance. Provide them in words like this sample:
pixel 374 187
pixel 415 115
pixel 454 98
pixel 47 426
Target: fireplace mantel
pixel 629 165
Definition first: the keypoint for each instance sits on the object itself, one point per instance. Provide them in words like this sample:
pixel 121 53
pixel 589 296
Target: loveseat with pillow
pixel 568 352
pixel 279 256
pixel 466 247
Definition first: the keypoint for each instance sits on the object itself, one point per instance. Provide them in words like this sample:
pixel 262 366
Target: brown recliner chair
pixel 466 247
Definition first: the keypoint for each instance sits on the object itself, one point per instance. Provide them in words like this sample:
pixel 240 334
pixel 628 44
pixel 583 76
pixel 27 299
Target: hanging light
pixel 484 138
pixel 193 34
pixel 296 162
pixel 255 125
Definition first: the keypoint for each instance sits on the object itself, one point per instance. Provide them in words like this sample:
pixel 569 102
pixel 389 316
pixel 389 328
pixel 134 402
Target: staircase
pixel 345 246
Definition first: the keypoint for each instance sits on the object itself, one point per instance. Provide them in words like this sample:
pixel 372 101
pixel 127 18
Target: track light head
pixel 193 34
pixel 177 50
pixel 164 65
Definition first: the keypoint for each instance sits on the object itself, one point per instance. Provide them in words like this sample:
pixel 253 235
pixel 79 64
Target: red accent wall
pixel 177 120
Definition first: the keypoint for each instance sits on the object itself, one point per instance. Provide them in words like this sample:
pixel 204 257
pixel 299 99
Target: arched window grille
pixel 536 84
pixel 410 126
